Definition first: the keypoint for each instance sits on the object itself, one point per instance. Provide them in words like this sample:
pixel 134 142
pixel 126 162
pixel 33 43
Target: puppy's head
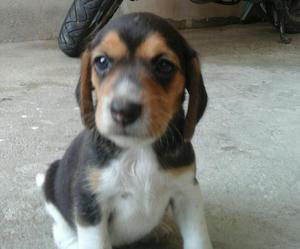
pixel 139 66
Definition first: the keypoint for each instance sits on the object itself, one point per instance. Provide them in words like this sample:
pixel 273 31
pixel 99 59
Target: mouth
pixel 126 138
pixel 123 132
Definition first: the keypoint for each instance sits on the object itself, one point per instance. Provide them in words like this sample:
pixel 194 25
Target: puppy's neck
pixel 170 148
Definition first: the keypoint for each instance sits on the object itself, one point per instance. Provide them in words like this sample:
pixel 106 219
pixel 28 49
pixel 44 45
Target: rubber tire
pixel 82 19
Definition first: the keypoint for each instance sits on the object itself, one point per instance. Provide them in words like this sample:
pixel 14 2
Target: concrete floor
pixel 248 144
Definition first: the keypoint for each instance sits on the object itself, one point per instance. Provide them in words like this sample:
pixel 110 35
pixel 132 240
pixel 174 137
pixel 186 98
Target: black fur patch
pixel 171 150
pixel 49 182
pixel 63 180
pixel 134 28
pixel 87 208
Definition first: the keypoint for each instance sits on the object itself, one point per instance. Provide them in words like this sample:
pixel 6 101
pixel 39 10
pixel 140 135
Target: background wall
pixel 22 20
pixel 181 9
pixel 31 19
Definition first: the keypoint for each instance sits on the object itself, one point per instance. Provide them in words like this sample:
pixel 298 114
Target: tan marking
pixel 154 45
pixel 93 179
pixel 162 103
pixel 102 89
pixel 179 171
pixel 112 46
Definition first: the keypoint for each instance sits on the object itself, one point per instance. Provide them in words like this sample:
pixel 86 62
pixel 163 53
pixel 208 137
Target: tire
pixel 291 12
pixel 84 18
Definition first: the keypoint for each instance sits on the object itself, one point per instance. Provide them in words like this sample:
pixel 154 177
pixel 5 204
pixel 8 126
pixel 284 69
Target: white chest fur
pixel 135 192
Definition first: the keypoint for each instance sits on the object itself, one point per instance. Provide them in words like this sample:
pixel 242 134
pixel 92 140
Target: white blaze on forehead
pixel 136 133
pixel 126 89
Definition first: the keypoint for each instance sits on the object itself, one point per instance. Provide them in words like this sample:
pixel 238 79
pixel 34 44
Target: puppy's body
pixel 131 184
pixel 116 180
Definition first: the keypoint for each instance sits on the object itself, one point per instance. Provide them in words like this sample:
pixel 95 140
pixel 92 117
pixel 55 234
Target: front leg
pixel 189 215
pixel 93 236
pixel 91 223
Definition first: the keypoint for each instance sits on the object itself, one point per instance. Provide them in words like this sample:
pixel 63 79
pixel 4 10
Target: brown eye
pixel 164 67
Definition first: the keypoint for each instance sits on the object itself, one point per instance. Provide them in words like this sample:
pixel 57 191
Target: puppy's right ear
pixel 84 91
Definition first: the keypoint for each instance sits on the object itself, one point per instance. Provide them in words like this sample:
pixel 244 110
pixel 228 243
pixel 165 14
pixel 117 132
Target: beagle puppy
pixel 134 159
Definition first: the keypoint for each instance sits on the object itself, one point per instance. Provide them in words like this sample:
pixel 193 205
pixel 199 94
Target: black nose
pixel 125 112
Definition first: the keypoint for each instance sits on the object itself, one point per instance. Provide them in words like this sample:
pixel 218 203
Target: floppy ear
pixel 84 91
pixel 197 99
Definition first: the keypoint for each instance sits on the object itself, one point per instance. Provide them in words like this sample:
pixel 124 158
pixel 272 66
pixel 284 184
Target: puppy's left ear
pixel 197 96
pixel 84 91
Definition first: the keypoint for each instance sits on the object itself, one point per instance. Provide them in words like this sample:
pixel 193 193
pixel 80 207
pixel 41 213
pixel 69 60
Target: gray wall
pixel 22 20
pixel 31 19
